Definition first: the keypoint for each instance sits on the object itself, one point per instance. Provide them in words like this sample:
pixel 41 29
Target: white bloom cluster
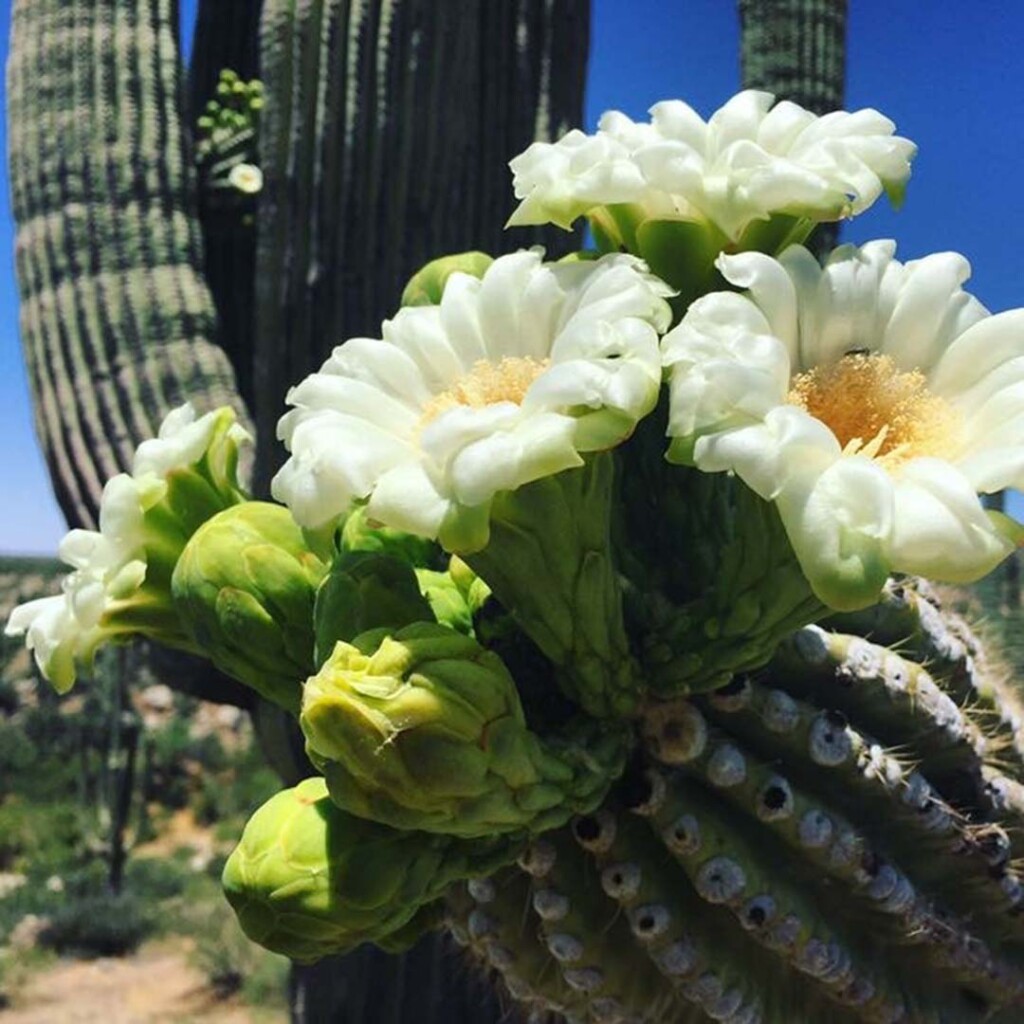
pixel 110 565
pixel 750 160
pixel 507 380
pixel 871 400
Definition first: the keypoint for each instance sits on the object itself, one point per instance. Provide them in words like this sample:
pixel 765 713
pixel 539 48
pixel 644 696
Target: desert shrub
pixel 233 794
pixel 155 878
pixel 46 836
pixel 99 926
pixel 231 962
pixel 17 752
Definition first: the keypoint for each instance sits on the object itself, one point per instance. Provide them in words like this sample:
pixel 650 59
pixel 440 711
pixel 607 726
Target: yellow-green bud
pixel 423 729
pixel 426 287
pixel 308 880
pixel 244 587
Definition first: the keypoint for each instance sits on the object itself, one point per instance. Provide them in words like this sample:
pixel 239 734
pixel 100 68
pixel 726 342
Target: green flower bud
pixel 244 587
pixel 473 589
pixel 358 534
pixel 426 287
pixel 308 880
pixel 424 729
pixel 365 591
pixel 446 600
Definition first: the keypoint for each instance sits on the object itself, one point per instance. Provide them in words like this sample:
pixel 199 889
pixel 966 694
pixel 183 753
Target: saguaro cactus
pixel 386 130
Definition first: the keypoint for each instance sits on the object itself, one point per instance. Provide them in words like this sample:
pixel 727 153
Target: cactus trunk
pixel 384 142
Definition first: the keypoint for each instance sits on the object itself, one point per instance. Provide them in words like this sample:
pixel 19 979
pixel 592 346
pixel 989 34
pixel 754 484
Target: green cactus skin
pixel 116 322
pixel 773 880
pixel 549 562
pixel 796 49
pixel 245 587
pixel 910 617
pixel 764 860
pixel 359 173
pixel 308 880
pixel 722 586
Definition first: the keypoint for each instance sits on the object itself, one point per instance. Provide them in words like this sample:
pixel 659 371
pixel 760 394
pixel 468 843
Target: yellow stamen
pixel 488 383
pixel 876 409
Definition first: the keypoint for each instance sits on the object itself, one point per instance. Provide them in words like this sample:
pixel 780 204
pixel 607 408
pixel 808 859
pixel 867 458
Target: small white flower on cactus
pixel 247 178
pixel 506 381
pixel 120 583
pixel 871 400
pixel 751 160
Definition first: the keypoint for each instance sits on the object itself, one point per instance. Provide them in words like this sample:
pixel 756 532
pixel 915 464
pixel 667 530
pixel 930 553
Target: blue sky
pixel 947 72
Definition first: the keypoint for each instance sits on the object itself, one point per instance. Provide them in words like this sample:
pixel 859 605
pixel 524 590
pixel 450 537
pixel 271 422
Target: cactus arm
pixel 117 324
pixel 225 37
pixel 691 823
pixel 893 697
pixel 729 868
pixel 694 948
pixel 494 920
pixel 824 752
pixel 910 618
pixel 592 941
pixel 796 49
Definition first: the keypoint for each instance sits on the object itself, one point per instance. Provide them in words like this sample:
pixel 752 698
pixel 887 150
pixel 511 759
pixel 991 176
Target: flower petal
pixel 839 518
pixel 931 310
pixel 980 350
pixel 940 528
pixel 749 161
pixel 764 455
pixel 406 498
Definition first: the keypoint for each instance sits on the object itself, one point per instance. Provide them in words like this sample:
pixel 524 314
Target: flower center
pixel 876 409
pixel 487 384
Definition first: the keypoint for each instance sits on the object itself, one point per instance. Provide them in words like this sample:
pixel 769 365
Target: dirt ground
pixel 156 986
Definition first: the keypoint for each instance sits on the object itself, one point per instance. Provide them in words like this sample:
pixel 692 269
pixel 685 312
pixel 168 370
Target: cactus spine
pixel 775 862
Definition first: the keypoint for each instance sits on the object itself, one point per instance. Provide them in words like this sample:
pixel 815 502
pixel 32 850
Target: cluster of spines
pixel 774 860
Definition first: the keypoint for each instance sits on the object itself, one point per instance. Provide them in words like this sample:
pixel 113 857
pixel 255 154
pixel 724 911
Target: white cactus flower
pixel 508 380
pixel 750 160
pixel 871 400
pixel 121 572
pixel 247 178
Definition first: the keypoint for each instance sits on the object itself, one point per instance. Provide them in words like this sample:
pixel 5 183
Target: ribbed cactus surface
pixel 116 321
pixel 384 141
pixel 829 839
pixel 796 49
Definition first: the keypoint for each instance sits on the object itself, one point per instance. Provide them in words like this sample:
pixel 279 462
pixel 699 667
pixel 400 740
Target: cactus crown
pixel 655 740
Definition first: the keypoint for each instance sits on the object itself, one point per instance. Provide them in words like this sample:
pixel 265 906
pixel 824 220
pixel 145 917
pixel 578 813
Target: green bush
pixel 47 837
pixel 233 794
pixel 155 878
pixel 99 926
pixel 17 752
pixel 231 962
